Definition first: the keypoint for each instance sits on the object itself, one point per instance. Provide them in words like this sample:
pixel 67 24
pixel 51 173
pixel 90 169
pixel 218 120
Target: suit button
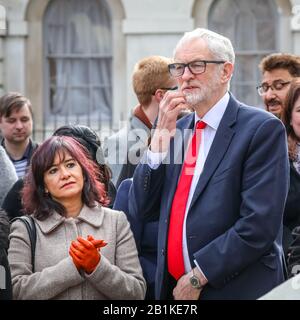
pixel 162 252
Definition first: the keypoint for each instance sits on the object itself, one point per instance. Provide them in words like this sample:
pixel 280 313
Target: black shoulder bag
pixel 31 229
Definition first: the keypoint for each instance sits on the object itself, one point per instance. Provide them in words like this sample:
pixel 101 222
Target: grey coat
pixel 8 174
pixel 5 278
pixel 117 276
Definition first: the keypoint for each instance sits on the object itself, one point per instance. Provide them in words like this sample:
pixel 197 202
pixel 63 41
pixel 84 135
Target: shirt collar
pixel 141 115
pixel 26 154
pixel 213 117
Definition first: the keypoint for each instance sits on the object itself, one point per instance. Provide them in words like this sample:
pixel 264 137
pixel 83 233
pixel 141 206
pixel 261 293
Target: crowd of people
pixel 197 198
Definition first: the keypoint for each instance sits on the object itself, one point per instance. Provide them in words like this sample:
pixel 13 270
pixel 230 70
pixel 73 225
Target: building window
pixel 252 28
pixel 78 61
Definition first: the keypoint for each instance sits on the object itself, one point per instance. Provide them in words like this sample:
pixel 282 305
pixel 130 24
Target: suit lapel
pixel 219 147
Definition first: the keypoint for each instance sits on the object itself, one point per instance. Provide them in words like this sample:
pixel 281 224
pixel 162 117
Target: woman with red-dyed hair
pixel 83 249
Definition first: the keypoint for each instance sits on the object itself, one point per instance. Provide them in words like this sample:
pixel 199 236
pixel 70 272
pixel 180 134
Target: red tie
pixel 175 249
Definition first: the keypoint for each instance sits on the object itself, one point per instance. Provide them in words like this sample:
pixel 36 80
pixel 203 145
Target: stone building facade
pixel 74 59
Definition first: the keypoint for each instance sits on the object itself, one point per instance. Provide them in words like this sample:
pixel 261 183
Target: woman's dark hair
pixel 89 139
pixel 35 199
pixel 291 98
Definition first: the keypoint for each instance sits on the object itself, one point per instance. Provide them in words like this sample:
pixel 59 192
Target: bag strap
pixel 31 229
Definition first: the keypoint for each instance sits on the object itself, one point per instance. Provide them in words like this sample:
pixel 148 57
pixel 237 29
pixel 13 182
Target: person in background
pixel 123 150
pixel 278 70
pixel 86 137
pixel 219 234
pixel 16 119
pixel 83 249
pixel 291 217
pixel 145 233
pixel 5 277
pixel 89 139
pixel 8 175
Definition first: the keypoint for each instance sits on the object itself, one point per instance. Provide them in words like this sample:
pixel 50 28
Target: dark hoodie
pixel 5 278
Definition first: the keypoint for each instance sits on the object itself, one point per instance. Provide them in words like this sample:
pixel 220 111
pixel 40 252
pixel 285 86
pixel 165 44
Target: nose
pixel 64 173
pixel 187 74
pixel 269 94
pixel 19 124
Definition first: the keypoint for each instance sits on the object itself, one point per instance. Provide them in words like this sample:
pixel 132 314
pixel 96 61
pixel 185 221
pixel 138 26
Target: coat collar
pixel 93 216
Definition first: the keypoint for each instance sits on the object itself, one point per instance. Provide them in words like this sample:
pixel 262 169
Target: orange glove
pixel 85 254
pixel 97 243
pixel 75 261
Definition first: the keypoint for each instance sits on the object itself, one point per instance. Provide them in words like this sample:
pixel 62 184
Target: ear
pixel 158 95
pixel 227 72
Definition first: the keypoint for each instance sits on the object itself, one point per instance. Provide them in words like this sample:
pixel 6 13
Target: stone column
pixel 295 27
pixel 15 56
pixel 3 30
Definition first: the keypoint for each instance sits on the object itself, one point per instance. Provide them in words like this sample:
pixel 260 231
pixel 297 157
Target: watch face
pixel 195 282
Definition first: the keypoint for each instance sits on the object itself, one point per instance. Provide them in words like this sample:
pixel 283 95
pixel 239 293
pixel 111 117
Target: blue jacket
pixel 234 223
pixel 145 234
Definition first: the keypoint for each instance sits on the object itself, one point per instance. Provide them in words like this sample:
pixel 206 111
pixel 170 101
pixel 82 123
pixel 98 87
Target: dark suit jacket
pixel 145 234
pixel 291 216
pixel 234 223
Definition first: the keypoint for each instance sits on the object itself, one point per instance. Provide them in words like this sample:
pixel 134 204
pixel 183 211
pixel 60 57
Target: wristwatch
pixel 195 282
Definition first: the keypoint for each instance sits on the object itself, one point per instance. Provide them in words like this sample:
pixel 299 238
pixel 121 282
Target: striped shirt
pixel 21 164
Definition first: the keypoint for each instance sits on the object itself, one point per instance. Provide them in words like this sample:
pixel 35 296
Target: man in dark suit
pixel 227 202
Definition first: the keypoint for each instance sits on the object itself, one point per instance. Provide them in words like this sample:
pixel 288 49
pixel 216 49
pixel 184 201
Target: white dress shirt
pixel 212 118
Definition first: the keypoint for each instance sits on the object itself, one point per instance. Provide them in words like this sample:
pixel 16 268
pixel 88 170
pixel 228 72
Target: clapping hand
pixel 85 253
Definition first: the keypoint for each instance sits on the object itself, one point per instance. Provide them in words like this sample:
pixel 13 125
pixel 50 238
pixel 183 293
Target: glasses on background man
pixel 166 88
pixel 277 85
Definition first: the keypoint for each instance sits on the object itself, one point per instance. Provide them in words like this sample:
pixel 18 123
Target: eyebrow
pixel 275 81
pixel 65 161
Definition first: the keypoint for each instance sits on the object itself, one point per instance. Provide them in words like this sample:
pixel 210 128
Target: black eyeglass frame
pixel 171 89
pixel 184 65
pixel 262 91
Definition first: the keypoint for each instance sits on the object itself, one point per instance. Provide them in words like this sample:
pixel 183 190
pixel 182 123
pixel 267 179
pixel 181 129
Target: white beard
pixel 204 94
pixel 193 99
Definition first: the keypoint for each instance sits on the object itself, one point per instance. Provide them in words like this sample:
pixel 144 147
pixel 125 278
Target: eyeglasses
pixel 276 85
pixel 195 67
pixel 172 89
